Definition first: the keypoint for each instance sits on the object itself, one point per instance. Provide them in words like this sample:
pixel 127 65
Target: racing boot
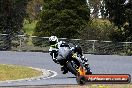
pixel 64 70
pixel 86 65
pixel 88 70
pixel 84 59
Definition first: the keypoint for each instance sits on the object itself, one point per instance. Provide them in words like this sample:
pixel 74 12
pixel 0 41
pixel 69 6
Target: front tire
pixel 81 80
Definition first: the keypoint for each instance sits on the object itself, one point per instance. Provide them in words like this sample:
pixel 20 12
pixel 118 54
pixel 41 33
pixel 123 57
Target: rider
pixel 61 50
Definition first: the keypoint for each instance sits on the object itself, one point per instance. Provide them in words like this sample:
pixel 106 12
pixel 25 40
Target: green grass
pixel 97 86
pixel 13 72
pixel 101 23
pixel 29 27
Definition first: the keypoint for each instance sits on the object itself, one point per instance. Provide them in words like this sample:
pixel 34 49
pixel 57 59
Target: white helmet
pixel 53 40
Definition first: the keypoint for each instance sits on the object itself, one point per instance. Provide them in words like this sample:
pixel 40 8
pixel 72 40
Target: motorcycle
pixel 72 64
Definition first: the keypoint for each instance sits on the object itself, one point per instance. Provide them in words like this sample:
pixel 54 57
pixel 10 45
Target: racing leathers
pixel 61 50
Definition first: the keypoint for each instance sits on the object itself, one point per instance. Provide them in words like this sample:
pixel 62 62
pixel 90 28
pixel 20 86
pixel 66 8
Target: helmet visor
pixel 52 42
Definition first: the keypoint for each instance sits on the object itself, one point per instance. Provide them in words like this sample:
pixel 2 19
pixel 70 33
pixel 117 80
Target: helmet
pixel 53 40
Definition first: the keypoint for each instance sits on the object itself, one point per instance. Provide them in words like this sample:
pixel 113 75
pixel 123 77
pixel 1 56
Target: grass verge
pixel 12 72
pixel 91 86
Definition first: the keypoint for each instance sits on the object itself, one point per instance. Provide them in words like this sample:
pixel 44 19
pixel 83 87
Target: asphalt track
pixel 100 64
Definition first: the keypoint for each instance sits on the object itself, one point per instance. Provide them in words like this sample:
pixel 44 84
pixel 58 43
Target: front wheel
pixel 81 80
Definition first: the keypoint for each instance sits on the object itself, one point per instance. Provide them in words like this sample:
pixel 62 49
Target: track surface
pixel 100 64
